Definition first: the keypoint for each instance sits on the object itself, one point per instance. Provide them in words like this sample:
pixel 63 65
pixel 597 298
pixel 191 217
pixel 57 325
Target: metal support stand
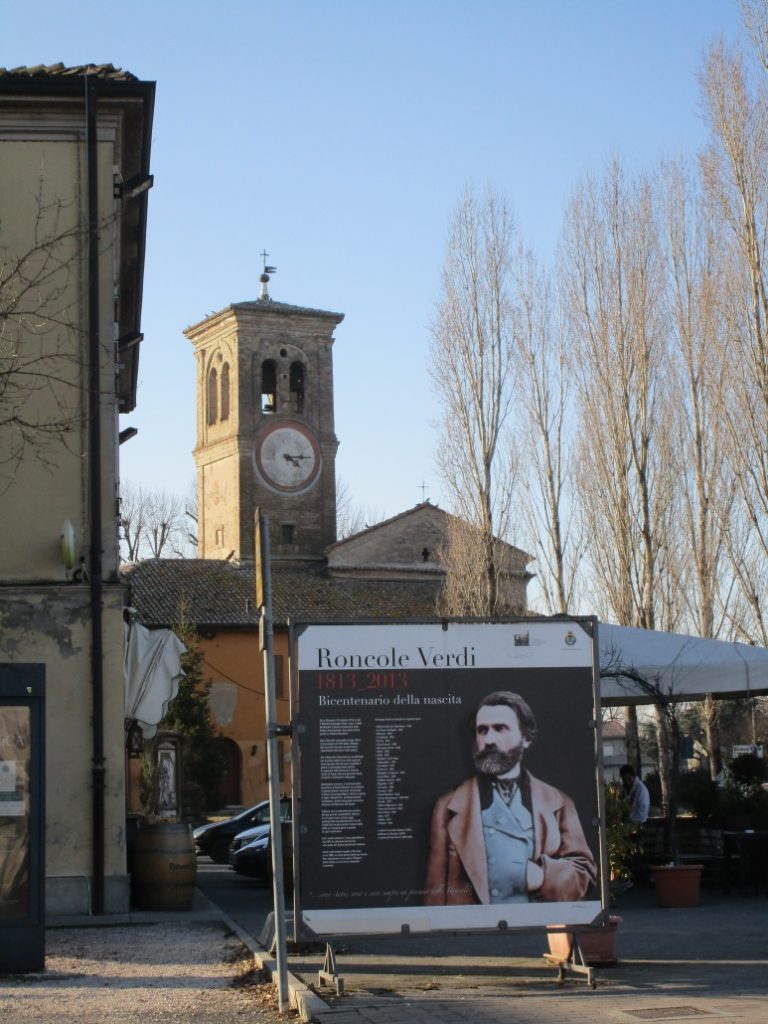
pixel 575 965
pixel 329 974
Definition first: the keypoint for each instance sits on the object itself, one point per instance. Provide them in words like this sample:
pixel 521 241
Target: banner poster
pixel 15 746
pixel 449 776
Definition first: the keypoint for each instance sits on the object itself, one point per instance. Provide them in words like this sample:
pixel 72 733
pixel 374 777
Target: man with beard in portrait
pixel 504 836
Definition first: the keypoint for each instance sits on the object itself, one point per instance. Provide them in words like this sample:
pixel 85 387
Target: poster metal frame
pixel 301 929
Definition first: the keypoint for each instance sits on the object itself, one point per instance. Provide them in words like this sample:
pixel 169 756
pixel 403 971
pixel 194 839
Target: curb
pixel 300 997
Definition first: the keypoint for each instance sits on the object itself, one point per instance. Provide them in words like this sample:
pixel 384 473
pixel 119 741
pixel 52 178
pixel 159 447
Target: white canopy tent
pixel 682 667
pixel 152 670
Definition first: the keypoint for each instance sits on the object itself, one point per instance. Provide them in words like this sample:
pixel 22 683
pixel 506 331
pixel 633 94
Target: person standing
pixel 636 795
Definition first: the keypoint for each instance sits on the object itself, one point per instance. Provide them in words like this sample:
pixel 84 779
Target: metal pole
pixel 95 566
pixel 273 753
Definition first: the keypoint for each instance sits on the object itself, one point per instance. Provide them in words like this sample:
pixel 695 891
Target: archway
pixel 230 785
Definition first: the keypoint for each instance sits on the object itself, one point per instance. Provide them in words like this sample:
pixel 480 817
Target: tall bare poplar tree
pixel 473 354
pixel 614 279
pixel 554 532
pixel 697 268
pixel 736 175
pixel 613 276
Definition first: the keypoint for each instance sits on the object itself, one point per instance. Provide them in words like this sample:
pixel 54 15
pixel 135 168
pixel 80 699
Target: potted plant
pixel 620 836
pixel 598 946
pixel 677 885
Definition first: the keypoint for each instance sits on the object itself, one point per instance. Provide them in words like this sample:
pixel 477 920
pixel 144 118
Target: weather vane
pixel 264 279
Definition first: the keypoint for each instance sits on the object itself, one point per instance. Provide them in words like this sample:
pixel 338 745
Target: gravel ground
pixel 177 973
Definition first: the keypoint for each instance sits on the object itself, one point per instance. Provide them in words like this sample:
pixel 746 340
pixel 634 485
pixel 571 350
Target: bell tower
pixel 265 429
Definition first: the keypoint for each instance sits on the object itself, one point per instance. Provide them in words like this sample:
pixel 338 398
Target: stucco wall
pixel 44 610
pixel 41 204
pixel 234 663
pixel 53 627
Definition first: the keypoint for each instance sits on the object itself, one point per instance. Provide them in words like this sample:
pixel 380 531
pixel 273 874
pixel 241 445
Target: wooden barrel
pixel 164 867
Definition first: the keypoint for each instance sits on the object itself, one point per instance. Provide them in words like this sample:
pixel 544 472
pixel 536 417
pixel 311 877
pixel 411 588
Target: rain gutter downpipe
pixel 95 489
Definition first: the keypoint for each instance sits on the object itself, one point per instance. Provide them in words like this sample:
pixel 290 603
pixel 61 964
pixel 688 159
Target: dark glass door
pixel 15 746
pixel 22 834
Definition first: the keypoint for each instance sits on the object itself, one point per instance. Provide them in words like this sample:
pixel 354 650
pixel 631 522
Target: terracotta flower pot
pixel 598 947
pixel 678 885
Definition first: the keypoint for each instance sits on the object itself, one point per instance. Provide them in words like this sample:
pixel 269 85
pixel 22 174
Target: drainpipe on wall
pixel 94 472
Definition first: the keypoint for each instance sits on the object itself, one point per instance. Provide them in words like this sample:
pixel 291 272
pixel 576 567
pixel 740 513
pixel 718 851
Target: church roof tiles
pixel 52 71
pixel 222 594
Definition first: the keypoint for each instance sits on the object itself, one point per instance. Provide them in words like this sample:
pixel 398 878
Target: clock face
pixel 287 457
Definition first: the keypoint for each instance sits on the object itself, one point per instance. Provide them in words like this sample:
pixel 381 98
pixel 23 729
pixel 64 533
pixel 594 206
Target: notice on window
pixel 11 798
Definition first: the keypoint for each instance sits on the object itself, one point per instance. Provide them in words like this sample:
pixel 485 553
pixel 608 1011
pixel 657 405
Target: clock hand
pixel 295 459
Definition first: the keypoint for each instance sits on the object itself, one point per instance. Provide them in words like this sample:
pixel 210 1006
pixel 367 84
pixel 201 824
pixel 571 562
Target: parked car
pixel 250 852
pixel 214 838
pixel 252 856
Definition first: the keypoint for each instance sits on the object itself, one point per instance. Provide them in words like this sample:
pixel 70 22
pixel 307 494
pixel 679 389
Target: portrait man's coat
pixel 457 870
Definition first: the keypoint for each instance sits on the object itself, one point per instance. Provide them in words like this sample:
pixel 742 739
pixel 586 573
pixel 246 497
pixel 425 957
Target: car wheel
pixel 220 851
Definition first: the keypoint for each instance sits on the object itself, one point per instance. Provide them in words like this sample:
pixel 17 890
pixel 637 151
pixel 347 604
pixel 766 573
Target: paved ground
pixel 709 962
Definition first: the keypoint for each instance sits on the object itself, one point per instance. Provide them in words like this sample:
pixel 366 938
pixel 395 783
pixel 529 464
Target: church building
pixel 266 440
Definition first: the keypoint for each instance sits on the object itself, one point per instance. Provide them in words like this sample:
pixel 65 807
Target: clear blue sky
pixel 339 134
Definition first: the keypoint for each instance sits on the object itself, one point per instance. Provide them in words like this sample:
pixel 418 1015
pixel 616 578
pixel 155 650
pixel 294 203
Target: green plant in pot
pixel 677 885
pixel 620 834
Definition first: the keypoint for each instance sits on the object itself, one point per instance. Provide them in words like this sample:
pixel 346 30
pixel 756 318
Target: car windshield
pixel 260 815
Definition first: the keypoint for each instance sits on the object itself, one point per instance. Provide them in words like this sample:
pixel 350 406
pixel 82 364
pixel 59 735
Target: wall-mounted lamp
pixel 134 186
pixel 68 542
pixel 254 750
pixel 127 434
pixel 135 740
pixel 128 341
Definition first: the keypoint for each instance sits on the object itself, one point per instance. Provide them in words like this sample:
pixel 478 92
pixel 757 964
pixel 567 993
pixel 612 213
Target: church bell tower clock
pixel 265 430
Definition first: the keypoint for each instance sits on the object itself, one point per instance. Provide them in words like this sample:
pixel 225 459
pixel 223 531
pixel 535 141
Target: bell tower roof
pixel 260 307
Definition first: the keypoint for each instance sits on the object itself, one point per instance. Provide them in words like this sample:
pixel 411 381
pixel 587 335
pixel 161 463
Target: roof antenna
pixel 264 279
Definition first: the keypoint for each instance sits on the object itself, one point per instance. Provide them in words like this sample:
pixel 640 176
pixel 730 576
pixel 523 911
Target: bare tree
pixel 701 367
pixel 554 532
pixel 736 175
pixel 613 282
pixel 164 516
pixel 187 543
pixel 154 524
pixel 132 509
pixel 40 366
pixel 473 356
pixel 352 517
pixel 755 14
pixel 613 275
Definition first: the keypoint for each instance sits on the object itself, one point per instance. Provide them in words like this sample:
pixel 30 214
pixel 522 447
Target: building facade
pixel 74 150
